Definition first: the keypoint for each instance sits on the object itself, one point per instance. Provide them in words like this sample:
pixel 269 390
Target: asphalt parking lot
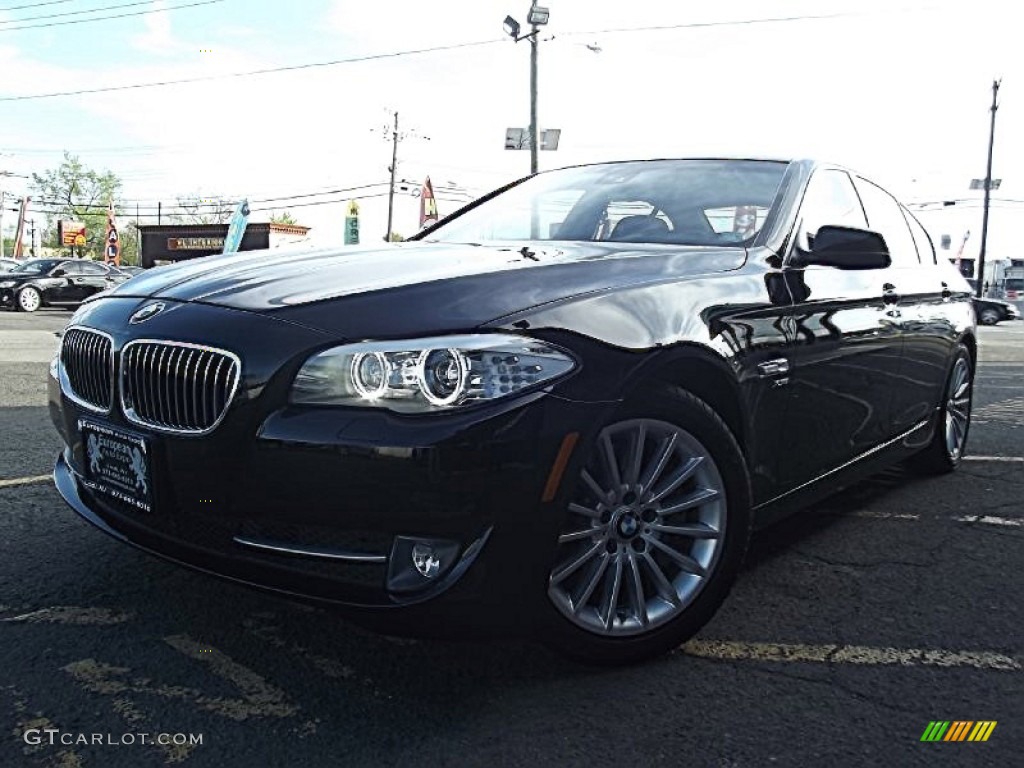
pixel 854 625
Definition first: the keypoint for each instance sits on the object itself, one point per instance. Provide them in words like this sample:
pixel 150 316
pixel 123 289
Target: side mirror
pixel 847 248
pixel 58 273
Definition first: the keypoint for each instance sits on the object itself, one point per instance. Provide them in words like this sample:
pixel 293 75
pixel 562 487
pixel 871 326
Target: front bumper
pixel 357 482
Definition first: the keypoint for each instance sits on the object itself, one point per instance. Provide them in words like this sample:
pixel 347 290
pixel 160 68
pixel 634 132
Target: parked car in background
pixel 6 265
pixel 992 311
pixel 561 410
pixel 1013 288
pixel 55 282
pixel 131 270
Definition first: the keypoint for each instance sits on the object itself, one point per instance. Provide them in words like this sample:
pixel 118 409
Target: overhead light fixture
pixel 511 27
pixel 538 16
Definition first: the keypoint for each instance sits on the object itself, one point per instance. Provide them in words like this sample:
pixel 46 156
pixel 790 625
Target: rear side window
pixel 925 247
pixel 91 268
pixel 886 217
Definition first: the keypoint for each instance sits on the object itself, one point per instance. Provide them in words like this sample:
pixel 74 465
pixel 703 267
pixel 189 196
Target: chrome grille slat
pixel 86 357
pixel 175 386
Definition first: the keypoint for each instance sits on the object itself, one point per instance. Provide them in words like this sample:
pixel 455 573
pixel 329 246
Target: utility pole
pixel 988 190
pixel 3 203
pixel 391 187
pixel 392 134
pixel 534 130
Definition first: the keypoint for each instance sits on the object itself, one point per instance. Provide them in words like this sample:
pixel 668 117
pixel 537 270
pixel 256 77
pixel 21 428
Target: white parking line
pixel 871 514
pixel 66 614
pixel 1010 459
pixel 25 480
pixel 848 654
pixel 991 520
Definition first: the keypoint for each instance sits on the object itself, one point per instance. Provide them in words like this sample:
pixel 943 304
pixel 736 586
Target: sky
pixel 899 90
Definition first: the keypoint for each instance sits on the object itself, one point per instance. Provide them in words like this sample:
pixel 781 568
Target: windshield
pixel 36 266
pixel 683 202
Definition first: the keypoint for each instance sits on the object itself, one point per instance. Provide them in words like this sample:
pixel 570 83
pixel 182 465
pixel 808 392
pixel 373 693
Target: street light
pixel 537 17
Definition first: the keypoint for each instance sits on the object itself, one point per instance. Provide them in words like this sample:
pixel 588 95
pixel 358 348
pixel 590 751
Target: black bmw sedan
pixel 561 410
pixel 55 282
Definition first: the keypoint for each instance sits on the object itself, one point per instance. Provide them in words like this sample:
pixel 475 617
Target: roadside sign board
pixel 71 233
pixel 352 224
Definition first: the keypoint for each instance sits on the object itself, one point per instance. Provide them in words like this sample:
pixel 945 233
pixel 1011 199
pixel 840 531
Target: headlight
pixel 420 375
pixel 8 284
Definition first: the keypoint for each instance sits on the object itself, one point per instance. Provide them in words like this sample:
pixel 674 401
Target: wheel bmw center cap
pixel 627 525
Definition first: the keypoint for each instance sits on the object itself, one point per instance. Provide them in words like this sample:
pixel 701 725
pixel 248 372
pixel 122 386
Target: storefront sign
pixel 195 243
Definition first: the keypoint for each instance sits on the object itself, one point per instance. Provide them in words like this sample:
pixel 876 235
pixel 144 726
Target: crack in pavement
pixel 932 558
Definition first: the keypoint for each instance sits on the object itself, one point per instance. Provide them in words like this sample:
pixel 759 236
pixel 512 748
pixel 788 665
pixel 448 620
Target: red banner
pixel 428 205
pixel 112 249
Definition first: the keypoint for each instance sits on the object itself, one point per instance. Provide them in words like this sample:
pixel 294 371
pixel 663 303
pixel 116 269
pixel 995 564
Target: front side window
pixel 679 202
pixel 886 217
pixel 830 200
pixel 35 267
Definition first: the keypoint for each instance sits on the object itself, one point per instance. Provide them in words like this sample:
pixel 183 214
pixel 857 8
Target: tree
pixel 204 210
pixel 285 217
pixel 71 191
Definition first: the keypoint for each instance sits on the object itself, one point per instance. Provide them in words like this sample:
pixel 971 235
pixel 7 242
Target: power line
pixel 35 5
pixel 733 23
pixel 222 201
pixel 322 202
pixel 397 54
pixel 255 72
pixel 78 13
pixel 112 16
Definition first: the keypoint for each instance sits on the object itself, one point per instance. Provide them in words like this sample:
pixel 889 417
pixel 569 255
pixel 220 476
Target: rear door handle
pixel 889 295
pixel 946 293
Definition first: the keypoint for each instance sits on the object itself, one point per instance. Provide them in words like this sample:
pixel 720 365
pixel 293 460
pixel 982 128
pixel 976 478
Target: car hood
pixel 435 285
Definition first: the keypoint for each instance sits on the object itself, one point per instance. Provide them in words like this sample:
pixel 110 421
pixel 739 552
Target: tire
pixel 988 317
pixel 606 603
pixel 945 450
pixel 29 299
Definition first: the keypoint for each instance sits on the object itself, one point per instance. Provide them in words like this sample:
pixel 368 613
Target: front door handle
pixel 889 295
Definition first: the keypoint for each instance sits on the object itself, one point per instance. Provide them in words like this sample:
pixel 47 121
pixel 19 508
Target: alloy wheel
pixel 644 530
pixel 29 299
pixel 988 317
pixel 958 408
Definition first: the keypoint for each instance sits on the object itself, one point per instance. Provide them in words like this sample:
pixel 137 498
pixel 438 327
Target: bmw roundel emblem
pixel 146 312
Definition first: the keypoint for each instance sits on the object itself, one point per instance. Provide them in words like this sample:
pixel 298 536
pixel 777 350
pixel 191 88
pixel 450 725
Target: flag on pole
pixel 960 253
pixel 20 232
pixel 428 205
pixel 237 228
pixel 112 249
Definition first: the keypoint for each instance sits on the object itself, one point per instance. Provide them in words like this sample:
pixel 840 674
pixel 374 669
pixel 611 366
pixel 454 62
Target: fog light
pixel 417 563
pixel 426 560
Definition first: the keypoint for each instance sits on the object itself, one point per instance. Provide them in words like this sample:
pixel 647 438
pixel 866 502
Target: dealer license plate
pixel 118 464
